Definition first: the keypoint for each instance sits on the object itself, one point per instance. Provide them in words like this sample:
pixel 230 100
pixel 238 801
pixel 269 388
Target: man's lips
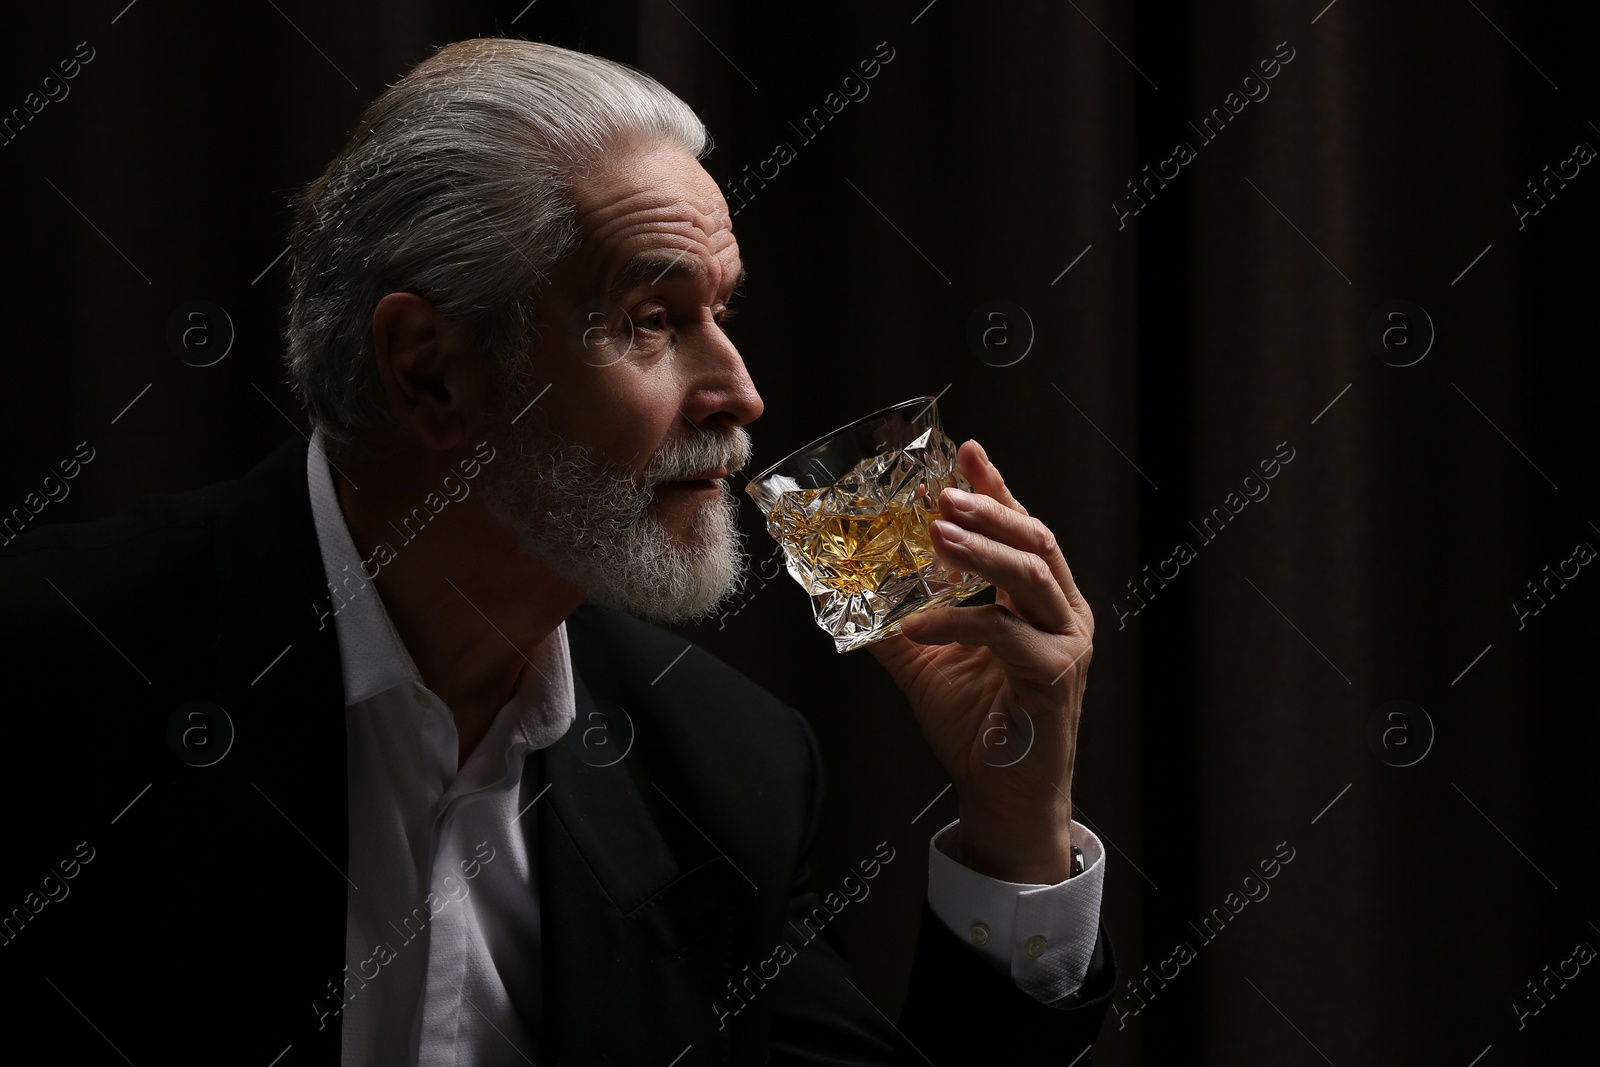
pixel 708 480
pixel 696 485
pixel 707 476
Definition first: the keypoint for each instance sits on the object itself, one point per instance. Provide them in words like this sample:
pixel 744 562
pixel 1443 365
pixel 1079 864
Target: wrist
pixel 1038 851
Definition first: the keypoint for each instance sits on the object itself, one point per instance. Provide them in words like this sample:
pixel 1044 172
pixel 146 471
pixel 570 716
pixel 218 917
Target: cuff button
pixel 980 934
pixel 1035 946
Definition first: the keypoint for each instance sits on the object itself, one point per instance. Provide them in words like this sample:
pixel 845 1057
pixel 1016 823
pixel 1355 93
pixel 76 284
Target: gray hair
pixel 455 186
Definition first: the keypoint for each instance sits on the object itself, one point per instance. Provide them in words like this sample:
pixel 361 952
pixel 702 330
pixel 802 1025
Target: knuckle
pixel 1044 538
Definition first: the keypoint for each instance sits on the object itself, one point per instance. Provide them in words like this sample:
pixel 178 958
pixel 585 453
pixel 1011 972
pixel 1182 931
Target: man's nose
pixel 721 390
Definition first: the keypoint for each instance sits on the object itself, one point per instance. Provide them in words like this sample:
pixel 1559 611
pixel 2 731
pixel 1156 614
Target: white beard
pixel 592 522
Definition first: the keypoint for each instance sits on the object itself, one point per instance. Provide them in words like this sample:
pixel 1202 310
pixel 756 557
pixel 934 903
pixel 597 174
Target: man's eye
pixel 655 321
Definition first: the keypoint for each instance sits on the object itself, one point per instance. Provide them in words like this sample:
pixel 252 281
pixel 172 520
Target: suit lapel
pixel 633 902
pixel 633 899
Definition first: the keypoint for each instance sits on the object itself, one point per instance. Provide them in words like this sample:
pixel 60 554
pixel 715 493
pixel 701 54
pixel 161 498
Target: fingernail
pixel 950 531
pixel 960 498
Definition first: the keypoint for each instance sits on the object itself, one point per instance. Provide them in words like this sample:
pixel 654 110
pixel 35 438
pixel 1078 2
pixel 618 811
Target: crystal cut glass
pixel 852 510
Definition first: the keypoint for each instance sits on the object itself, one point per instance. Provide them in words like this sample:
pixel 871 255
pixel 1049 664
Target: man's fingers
pixel 1028 579
pixel 1020 531
pixel 984 475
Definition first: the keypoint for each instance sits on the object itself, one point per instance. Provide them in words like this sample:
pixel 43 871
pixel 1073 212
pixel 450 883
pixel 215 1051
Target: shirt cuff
pixel 1040 935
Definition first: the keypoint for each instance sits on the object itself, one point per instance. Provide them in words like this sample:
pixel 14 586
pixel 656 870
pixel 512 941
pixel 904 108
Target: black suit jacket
pixel 185 913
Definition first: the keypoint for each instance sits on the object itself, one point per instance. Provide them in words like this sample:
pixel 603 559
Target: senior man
pixel 348 706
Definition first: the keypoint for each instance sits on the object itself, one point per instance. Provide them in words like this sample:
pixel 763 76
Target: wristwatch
pixel 1077 861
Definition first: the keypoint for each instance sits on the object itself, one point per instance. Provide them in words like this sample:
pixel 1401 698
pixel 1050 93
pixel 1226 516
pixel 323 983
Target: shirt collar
pixel 373 657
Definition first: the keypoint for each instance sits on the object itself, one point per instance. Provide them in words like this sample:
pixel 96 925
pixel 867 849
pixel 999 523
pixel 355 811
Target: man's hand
pixel 997 688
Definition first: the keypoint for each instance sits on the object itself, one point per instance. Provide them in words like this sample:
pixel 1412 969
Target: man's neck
pixel 468 602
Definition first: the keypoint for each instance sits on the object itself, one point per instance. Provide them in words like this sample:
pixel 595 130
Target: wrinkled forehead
pixel 656 203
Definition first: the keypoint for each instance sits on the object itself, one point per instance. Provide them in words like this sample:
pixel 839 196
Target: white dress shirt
pixel 442 927
pixel 1040 935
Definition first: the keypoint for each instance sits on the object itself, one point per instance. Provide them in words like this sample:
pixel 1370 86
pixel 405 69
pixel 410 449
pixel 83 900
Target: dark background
pixel 1235 712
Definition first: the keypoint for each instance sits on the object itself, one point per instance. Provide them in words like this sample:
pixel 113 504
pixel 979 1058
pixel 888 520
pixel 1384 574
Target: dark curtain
pixel 1308 401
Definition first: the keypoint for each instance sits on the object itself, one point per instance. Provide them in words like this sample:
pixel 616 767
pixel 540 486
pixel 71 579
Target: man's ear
pixel 430 371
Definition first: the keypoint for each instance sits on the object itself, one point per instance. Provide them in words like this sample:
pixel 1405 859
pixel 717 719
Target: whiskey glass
pixel 851 511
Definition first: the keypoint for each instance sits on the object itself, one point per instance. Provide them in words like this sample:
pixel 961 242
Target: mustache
pixel 703 450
